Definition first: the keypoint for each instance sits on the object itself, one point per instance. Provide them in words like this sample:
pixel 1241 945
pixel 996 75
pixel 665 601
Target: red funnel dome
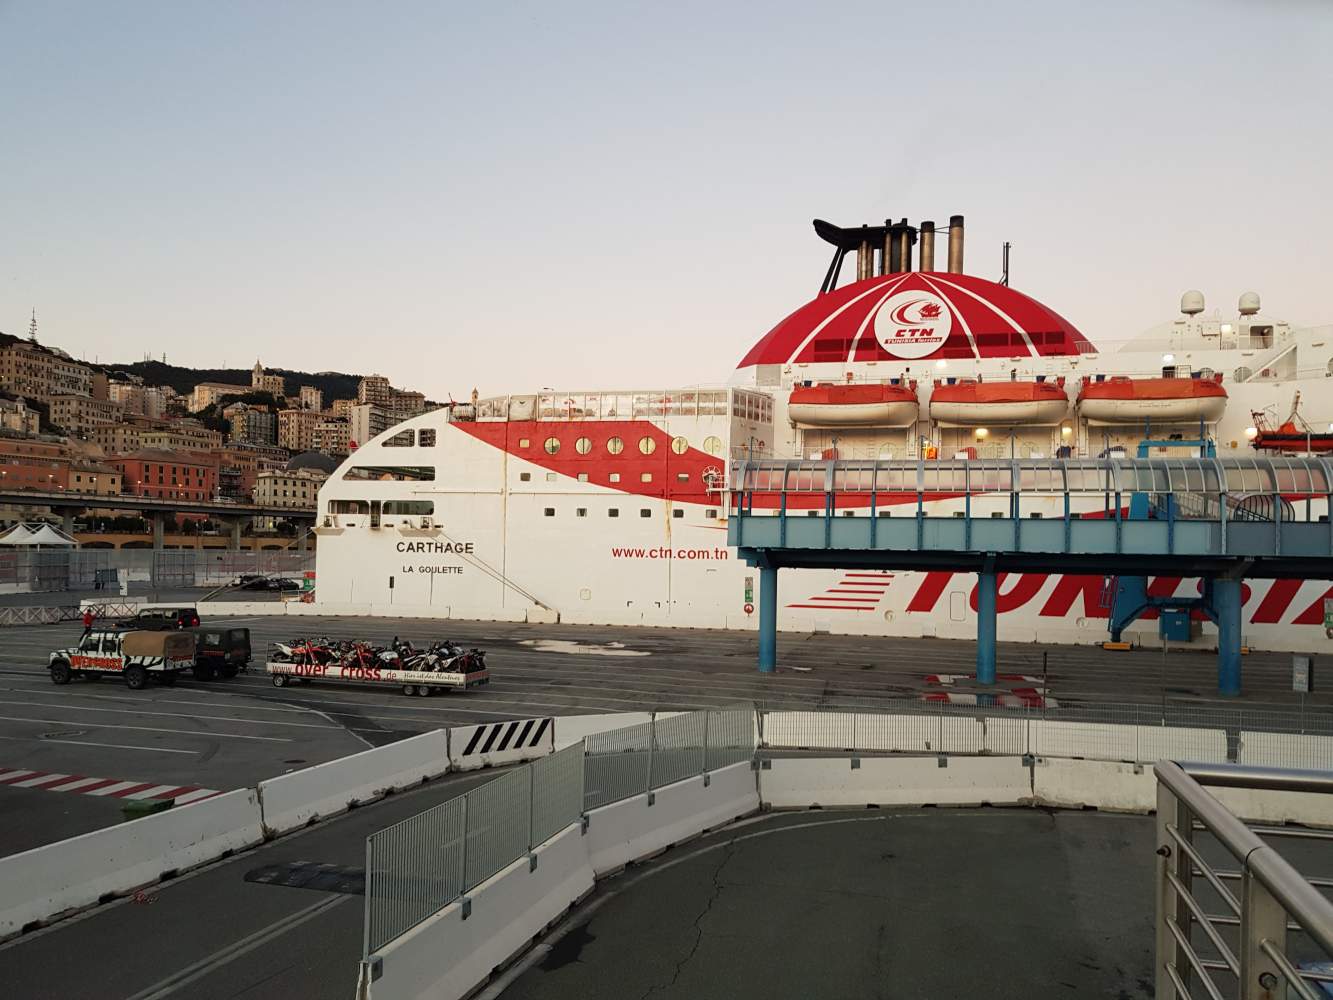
pixel 918 316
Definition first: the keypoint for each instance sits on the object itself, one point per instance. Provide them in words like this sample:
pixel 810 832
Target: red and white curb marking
pixel 114 788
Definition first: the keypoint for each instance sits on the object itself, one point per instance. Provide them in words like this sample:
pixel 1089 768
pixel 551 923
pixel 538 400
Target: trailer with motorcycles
pixel 442 666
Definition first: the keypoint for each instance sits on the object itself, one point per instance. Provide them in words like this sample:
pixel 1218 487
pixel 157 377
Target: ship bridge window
pixel 403 439
pixel 409 508
pixel 426 437
pixel 349 507
pixel 392 473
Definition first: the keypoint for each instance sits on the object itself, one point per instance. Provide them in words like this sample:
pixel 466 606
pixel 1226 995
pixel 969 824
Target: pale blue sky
pixel 516 195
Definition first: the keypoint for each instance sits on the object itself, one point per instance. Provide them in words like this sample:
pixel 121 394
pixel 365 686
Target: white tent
pixel 37 535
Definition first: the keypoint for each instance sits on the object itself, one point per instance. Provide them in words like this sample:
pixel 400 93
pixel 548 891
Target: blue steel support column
pixel 1226 603
pixel 986 587
pixel 768 619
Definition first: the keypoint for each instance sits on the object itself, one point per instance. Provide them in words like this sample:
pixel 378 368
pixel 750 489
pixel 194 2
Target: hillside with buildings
pixel 156 430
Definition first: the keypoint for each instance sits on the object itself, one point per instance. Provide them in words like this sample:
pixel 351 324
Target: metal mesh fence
pixel 678 747
pixel 499 817
pixel 616 765
pixel 55 571
pixel 417 867
pixel 557 792
pixel 413 869
pixel 1140 733
pixel 730 737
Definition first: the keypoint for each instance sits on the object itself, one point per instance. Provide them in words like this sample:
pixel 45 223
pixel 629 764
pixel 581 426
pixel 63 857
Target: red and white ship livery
pixel 607 506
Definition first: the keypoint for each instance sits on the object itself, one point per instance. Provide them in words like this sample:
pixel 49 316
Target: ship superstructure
pixel 608 506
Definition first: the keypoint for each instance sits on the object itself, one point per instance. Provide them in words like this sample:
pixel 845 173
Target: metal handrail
pixel 1274 895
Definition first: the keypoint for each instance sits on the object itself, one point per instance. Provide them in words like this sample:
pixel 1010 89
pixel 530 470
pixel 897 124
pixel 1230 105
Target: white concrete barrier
pixel 1286 750
pixel 793 783
pixel 448 955
pixel 569 729
pixel 631 830
pixel 292 800
pixel 492 743
pixel 39 884
pixel 1126 742
pixel 1113 786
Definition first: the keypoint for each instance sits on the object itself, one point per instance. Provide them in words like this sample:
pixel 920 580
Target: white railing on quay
pixel 1274 935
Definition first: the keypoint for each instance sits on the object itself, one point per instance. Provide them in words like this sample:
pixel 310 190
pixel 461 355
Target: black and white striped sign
pixel 501 742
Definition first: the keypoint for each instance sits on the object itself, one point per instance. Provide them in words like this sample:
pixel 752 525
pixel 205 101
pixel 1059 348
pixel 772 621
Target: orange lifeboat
pixel 1124 400
pixel 971 403
pixel 853 405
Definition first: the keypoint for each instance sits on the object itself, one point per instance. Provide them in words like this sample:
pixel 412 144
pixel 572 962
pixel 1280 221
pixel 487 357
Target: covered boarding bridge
pixel 1221 519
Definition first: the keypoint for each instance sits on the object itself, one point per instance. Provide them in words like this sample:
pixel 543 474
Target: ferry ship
pixel 609 507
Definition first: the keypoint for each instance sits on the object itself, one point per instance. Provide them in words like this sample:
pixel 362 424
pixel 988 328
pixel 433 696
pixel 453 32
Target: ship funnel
pixel 904 246
pixel 955 244
pixel 865 257
pixel 927 259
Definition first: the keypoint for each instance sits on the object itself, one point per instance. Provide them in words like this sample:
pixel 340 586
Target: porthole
pixel 679 445
pixel 614 445
pixel 647 445
pixel 552 445
pixel 583 445
pixel 713 444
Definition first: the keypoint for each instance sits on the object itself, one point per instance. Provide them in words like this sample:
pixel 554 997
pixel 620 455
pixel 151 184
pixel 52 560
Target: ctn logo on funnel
pixel 913 324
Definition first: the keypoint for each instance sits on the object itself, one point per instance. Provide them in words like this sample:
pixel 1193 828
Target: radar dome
pixel 1249 304
pixel 1191 303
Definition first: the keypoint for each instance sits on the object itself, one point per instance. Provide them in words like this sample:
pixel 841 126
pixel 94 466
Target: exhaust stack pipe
pixel 955 244
pixel 865 259
pixel 888 254
pixel 904 246
pixel 927 259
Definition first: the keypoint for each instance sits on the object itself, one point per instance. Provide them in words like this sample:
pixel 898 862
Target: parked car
pixel 278 583
pixel 162 619
pixel 220 651
pixel 135 656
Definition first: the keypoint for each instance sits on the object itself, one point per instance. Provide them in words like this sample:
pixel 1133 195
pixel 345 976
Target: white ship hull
pixel 606 508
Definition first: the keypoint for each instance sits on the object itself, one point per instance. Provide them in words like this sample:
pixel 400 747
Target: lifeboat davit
pixel 853 405
pixel 970 403
pixel 1124 400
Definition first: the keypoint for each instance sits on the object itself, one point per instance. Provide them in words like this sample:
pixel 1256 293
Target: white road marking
pixel 175 715
pixel 88 743
pixel 70 786
pixel 148 793
pixel 210 964
pixel 151 729
pixel 37 782
pixel 119 786
pixel 198 793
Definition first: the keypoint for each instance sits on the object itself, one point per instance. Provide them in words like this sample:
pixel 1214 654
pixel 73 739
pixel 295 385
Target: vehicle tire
pixel 169 678
pixel 60 672
pixel 409 689
pixel 230 670
pixel 136 677
pixel 204 671
pixel 424 690
pixel 279 680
